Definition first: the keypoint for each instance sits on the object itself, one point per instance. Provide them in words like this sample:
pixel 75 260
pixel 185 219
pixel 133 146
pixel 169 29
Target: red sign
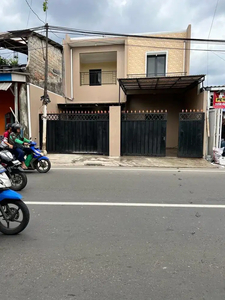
pixel 218 100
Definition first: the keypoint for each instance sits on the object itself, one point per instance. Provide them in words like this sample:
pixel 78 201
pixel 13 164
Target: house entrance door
pixel 143 134
pixel 191 134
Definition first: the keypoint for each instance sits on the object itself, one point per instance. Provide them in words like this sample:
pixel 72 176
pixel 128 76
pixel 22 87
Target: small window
pixel 156 65
pixel 95 77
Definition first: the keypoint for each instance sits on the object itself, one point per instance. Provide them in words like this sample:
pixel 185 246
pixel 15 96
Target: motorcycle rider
pixel 19 142
pixel 5 142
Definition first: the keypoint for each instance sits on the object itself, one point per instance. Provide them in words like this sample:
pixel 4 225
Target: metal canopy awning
pixel 4 86
pixel 174 84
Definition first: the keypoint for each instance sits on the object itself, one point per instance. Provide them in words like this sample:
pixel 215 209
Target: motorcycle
pixel 14 214
pixel 36 160
pixel 13 170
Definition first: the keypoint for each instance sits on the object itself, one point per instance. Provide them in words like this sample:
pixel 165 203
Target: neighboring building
pixel 22 86
pixel 215 118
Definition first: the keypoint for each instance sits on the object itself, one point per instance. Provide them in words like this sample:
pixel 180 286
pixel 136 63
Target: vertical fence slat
pixel 143 134
pixel 77 133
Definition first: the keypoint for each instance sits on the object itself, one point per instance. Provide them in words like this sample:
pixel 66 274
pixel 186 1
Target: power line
pixel 208 38
pixel 100 33
pixel 218 56
pixel 213 18
pixel 132 45
pixel 29 13
pixel 34 12
pixel 55 34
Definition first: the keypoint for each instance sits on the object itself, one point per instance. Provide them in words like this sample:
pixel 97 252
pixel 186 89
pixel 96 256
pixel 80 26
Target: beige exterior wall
pixel 104 66
pixel 114 130
pixel 131 59
pixel 194 100
pixel 67 68
pixel 36 107
pixel 95 94
pixel 138 49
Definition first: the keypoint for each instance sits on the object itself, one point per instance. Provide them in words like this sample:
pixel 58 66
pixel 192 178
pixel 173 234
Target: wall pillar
pixel 23 109
pixel 114 131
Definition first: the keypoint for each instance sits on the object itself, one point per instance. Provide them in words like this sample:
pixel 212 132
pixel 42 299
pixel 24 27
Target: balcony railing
pixel 158 75
pixel 98 78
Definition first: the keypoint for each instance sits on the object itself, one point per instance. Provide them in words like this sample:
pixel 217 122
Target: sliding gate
pixel 77 133
pixel 143 134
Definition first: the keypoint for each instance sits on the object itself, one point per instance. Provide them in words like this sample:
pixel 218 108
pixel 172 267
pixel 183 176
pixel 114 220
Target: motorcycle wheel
pixel 43 166
pixel 14 216
pixel 18 180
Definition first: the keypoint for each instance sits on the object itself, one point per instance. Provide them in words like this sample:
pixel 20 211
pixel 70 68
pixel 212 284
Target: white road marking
pixel 125 204
pixel 135 169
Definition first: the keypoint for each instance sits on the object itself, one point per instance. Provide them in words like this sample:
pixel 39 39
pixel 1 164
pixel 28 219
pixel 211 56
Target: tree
pixel 45 5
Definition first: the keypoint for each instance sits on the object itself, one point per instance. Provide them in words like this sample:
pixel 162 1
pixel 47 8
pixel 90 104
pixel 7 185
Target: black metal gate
pixel 77 133
pixel 143 134
pixel 191 134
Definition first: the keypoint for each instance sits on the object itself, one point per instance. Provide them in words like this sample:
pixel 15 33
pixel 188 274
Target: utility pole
pixel 45 98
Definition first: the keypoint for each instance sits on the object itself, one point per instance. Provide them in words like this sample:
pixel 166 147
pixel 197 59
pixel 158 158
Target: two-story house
pixel 147 78
pixel 121 95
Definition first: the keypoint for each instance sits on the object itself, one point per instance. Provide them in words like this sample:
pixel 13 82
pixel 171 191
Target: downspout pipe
pixel 71 73
pixel 28 110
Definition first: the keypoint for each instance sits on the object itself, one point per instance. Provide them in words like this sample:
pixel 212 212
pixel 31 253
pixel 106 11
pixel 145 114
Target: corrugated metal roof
pixel 132 86
pixel 4 86
pixel 214 88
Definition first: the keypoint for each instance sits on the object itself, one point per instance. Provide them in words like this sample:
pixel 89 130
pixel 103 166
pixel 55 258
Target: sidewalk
pixel 125 161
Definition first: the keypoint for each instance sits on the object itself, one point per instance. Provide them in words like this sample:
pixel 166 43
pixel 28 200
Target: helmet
pixel 8 126
pixel 16 126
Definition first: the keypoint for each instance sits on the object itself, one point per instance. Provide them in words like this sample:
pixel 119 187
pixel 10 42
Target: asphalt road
pixel 112 252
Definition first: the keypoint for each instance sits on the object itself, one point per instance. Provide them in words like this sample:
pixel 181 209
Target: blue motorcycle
pixel 14 214
pixel 36 160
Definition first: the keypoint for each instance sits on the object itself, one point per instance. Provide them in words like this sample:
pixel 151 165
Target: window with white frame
pixel 156 65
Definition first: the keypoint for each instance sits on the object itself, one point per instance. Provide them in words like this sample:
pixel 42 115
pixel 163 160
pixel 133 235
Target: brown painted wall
pixel 171 103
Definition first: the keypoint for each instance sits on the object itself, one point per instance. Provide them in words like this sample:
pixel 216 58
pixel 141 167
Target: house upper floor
pixel 91 63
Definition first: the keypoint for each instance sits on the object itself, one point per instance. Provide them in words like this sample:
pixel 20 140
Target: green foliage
pixel 13 61
pixel 45 5
pixel 3 61
pixel 9 62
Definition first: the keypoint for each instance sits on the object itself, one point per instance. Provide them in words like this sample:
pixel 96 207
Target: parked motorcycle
pixel 36 160
pixel 13 170
pixel 14 214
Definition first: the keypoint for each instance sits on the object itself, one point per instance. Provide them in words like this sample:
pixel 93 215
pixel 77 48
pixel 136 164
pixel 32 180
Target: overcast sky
pixel 132 16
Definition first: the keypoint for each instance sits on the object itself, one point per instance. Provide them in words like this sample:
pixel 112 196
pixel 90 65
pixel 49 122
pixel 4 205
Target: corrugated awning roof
pixel 161 84
pixel 4 86
pixel 18 40
pixel 215 88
